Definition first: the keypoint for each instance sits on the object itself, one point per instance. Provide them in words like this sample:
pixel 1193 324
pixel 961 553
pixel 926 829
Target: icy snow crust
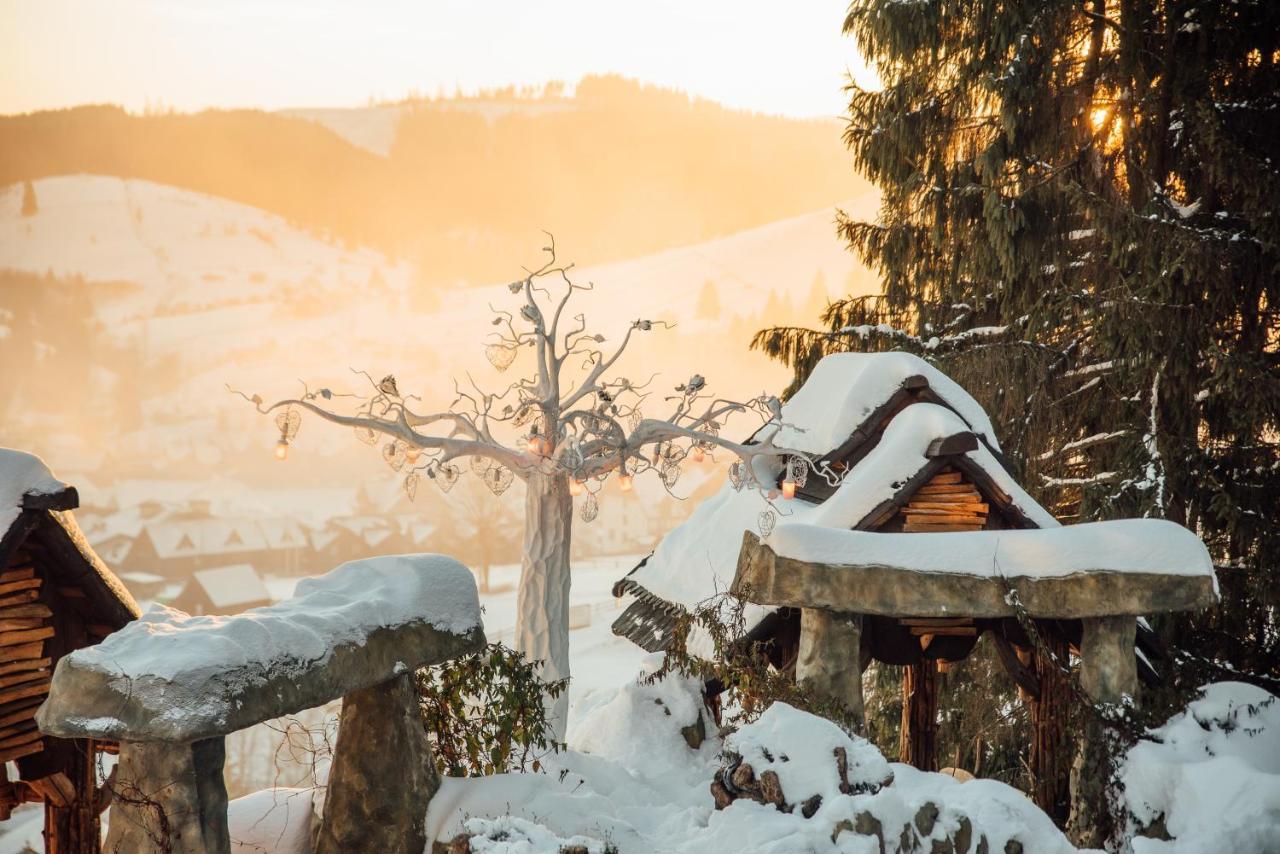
pixel 22 474
pixel 207 662
pixel 845 388
pixel 1124 545
pixel 1212 773
pixel 698 559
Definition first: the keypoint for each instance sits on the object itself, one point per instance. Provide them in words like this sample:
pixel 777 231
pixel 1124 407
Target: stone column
pixel 1108 673
pixel 1108 664
pixel 830 657
pixel 383 774
pixel 168 798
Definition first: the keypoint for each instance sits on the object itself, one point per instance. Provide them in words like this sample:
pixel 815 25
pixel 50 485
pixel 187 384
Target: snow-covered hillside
pixel 221 293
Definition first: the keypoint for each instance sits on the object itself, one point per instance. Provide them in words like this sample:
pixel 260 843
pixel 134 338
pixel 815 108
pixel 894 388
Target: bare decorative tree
pixel 563 431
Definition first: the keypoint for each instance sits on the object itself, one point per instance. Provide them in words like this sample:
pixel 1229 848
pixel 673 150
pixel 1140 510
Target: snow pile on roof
pixel 844 388
pixel 698 559
pixel 229 586
pixel 899 454
pixel 1153 546
pixel 343 606
pixel 22 474
pixel 1212 773
pixel 800 748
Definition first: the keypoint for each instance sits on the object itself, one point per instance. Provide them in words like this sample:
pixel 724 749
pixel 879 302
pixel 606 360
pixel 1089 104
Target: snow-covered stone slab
pixel 175 678
pixel 1097 569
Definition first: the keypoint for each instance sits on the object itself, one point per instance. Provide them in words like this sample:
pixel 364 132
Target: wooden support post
pixel 72 822
pixel 919 715
pixel 830 657
pixel 1050 759
pixel 1108 674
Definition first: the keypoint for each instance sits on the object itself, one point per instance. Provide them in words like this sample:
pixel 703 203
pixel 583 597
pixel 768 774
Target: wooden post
pixel 829 661
pixel 1049 762
pixel 919 715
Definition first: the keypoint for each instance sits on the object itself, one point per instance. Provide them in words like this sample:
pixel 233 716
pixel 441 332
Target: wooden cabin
pixel 56 596
pixel 892 445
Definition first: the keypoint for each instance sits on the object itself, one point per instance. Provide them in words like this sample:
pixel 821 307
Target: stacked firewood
pixel 25 669
pixel 946 503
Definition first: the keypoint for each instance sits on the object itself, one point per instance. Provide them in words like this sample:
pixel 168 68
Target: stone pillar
pixel 169 798
pixel 1108 664
pixel 1108 673
pixel 383 774
pixel 830 657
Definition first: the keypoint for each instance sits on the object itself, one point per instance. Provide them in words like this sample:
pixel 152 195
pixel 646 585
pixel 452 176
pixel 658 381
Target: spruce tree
pixel 1079 221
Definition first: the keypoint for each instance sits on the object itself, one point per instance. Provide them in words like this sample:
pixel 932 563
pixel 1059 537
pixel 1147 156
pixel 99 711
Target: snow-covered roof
pixel 22 474
pixel 697 560
pixel 229 586
pixel 1154 546
pixel 191 537
pixel 845 388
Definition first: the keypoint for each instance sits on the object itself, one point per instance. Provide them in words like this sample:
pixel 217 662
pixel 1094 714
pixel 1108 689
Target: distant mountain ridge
pixel 616 171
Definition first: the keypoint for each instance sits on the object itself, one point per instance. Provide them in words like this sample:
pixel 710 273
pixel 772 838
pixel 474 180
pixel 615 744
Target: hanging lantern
pixel 590 507
pixel 737 475
pixel 282 448
pixel 412 453
pixel 625 482
pixel 698 454
pixel 447 476
pixel 576 487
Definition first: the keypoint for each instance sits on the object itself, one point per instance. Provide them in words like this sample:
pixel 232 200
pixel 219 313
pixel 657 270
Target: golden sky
pixel 784 58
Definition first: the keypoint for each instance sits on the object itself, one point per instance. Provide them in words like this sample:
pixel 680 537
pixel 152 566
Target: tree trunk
pixel 542 600
pixel 919 715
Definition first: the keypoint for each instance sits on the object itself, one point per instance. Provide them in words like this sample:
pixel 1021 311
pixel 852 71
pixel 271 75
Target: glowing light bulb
pixel 282 448
pixel 412 454
pixel 788 488
pixel 535 445
pixel 625 482
pixel 698 454
pixel 575 487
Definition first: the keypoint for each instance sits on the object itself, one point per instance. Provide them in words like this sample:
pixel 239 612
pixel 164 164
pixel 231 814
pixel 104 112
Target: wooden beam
pixel 27 636
pixel 37 610
pixel 10 754
pixel 951 506
pixel 18 586
pixel 27 664
pixel 18 573
pixel 24 678
pixel 25 652
pixel 9 624
pixel 944 631
pixel 26 712
pixel 23 691
pixel 20 739
pixel 936 621
pixel 933 488
pixel 948 478
pixel 22 598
